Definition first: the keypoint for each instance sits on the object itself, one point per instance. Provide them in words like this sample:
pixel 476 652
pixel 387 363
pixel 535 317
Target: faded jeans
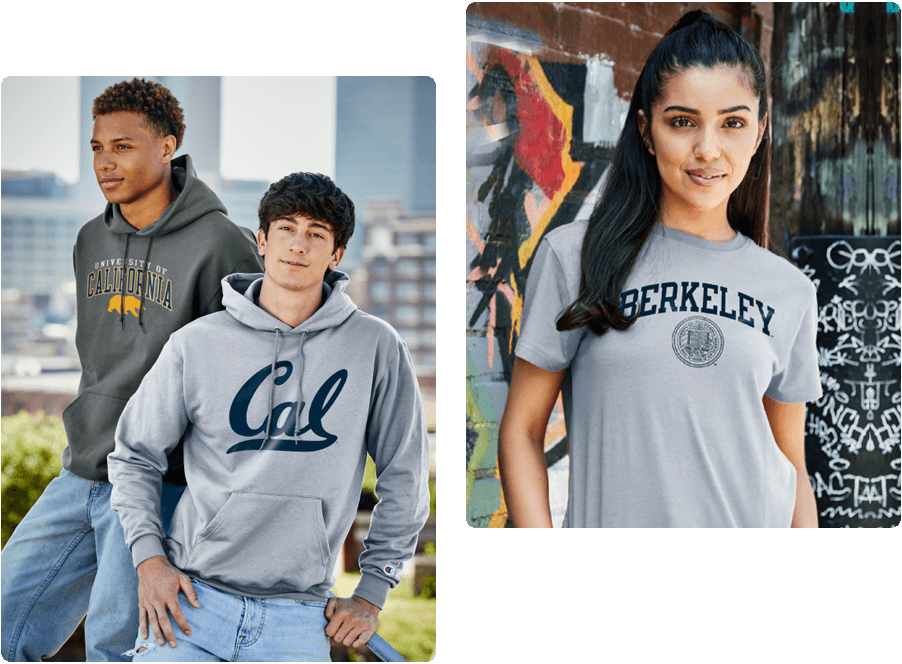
pixel 232 628
pixel 67 559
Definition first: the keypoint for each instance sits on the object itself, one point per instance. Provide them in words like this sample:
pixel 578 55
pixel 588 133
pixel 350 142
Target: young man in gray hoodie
pixel 148 265
pixel 278 400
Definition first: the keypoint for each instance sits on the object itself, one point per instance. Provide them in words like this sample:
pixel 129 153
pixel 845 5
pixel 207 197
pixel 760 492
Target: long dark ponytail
pixel 625 213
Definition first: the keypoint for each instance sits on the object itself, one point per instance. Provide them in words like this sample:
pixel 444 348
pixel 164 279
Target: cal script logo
pixel 286 412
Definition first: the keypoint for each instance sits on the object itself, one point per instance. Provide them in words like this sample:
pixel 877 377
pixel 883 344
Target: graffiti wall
pixel 534 161
pixel 852 433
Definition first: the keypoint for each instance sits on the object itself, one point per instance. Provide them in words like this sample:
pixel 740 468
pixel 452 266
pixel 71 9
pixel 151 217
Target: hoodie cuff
pixel 374 589
pixel 146 546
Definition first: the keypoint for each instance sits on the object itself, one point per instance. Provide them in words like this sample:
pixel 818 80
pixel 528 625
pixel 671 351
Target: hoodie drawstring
pixel 122 287
pixel 144 287
pixel 128 238
pixel 297 418
pixel 272 390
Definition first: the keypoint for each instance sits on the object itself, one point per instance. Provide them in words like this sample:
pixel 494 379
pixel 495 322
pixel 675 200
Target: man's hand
pixel 352 621
pixel 158 592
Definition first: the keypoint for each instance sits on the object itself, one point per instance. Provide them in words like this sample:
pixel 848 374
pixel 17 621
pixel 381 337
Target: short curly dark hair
pixel 311 195
pixel 153 100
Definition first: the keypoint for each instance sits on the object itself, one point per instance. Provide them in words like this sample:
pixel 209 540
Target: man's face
pixel 297 252
pixel 130 159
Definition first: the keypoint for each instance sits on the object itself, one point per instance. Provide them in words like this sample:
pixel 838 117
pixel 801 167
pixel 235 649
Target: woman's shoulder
pixel 781 270
pixel 567 240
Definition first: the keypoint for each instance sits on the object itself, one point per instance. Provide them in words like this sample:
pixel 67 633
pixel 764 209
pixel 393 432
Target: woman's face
pixel 704 131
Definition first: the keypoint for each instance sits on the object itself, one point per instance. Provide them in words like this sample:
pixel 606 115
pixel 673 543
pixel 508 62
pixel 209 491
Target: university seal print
pixel 697 341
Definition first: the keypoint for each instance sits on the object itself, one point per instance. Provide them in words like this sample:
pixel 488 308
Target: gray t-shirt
pixel 665 420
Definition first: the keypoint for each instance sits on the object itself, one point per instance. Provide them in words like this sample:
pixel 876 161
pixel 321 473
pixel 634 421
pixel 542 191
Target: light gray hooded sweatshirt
pixel 272 487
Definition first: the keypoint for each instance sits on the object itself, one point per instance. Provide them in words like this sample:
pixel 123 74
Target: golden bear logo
pixel 132 304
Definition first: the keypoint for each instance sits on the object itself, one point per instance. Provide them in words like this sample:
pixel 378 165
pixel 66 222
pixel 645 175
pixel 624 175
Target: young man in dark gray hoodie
pixel 148 265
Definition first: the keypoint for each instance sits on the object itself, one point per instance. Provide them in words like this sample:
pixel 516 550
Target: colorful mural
pixel 530 169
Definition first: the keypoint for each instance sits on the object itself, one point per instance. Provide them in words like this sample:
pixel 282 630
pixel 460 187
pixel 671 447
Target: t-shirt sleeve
pixel 547 296
pixel 798 378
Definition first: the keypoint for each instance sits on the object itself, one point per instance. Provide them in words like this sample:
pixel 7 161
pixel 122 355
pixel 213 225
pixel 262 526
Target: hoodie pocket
pixel 90 422
pixel 92 415
pixel 265 544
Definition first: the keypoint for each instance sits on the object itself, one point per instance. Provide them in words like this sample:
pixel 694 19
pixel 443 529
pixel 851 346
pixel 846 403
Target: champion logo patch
pixel 389 569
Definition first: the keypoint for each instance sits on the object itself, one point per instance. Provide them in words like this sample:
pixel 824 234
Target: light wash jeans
pixel 232 628
pixel 67 559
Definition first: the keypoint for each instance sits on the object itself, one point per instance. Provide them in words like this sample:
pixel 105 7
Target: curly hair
pixel 149 98
pixel 311 195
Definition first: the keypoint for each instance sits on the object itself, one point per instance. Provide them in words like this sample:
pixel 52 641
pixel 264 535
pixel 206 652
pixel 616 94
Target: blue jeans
pixel 68 559
pixel 231 628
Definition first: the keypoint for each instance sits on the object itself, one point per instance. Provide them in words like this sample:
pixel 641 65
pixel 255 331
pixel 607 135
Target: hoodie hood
pixel 239 294
pixel 195 199
pixel 240 291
